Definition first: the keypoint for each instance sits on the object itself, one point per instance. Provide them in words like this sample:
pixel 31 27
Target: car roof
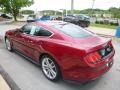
pixel 51 23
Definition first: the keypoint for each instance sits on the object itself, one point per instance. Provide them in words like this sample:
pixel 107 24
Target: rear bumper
pixel 83 75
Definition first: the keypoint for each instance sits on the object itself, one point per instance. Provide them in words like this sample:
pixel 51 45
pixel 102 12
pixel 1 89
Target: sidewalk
pixel 3 84
pixel 103 31
pixel 6 22
pixel 6 82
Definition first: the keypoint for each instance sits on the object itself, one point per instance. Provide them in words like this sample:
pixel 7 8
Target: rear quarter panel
pixel 64 53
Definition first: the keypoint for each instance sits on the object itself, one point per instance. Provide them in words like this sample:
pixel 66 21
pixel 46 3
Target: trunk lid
pixel 92 43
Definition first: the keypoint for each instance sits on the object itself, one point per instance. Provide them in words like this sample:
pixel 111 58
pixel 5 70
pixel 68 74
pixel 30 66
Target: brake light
pixel 93 58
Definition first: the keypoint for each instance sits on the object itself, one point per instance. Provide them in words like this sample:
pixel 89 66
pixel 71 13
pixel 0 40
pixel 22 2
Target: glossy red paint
pixel 69 53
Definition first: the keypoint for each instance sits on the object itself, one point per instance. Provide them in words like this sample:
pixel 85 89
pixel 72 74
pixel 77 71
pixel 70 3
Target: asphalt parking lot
pixel 28 76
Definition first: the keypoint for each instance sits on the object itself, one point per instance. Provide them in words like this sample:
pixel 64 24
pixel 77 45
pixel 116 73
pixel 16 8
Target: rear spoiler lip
pixel 109 40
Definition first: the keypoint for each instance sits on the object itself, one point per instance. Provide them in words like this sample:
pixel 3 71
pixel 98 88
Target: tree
pixel 115 12
pixel 13 6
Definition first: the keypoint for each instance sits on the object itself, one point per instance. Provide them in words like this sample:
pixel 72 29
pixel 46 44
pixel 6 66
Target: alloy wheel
pixel 49 68
pixel 8 44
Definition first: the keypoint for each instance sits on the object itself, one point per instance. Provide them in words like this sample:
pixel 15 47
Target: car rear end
pixel 97 61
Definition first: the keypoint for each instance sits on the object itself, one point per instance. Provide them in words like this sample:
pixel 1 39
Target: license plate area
pixel 105 51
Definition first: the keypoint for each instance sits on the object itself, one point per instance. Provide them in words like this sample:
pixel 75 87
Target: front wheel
pixel 50 68
pixel 8 44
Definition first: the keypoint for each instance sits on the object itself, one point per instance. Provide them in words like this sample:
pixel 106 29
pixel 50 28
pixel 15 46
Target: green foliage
pixel 101 22
pixel 113 23
pixel 103 26
pixel 13 6
pixel 97 22
pixel 94 11
pixel 107 23
pixel 27 12
pixel 1 10
pixel 115 12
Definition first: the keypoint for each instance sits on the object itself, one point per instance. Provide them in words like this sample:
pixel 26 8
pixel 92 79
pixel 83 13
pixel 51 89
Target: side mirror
pixel 17 30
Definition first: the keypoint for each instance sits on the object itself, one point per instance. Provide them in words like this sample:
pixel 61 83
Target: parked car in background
pixel 63 50
pixel 81 20
pixel 6 16
pixel 31 18
pixel 45 18
pixel 59 18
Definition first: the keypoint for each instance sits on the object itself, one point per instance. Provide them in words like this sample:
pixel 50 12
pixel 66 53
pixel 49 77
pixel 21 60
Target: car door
pixel 29 40
pixel 21 39
pixel 37 35
pixel 31 43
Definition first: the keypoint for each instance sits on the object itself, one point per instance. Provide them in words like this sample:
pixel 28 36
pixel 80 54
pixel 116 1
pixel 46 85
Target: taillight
pixel 98 56
pixel 93 58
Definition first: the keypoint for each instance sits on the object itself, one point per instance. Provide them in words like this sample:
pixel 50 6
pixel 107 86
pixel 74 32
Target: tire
pixel 8 44
pixel 50 68
pixel 88 24
pixel 82 24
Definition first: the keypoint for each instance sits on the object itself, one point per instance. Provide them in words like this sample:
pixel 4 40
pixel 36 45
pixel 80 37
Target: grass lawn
pixel 103 26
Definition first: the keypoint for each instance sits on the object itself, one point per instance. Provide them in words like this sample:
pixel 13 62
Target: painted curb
pixel 8 79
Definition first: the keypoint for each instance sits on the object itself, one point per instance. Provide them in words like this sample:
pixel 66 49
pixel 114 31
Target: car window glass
pixel 26 29
pixel 42 32
pixel 33 29
pixel 73 30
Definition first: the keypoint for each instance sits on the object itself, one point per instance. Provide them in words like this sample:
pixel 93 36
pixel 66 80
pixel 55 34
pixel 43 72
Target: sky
pixel 78 4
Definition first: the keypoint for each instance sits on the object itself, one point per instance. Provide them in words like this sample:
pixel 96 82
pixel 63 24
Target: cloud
pixel 78 4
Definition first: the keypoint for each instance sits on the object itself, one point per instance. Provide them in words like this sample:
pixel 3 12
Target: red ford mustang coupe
pixel 63 50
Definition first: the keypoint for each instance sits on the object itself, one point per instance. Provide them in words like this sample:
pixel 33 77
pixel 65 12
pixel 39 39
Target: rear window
pixel 73 30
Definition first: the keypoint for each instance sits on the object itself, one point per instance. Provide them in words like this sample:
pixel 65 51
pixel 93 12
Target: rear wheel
pixel 82 24
pixel 8 44
pixel 50 68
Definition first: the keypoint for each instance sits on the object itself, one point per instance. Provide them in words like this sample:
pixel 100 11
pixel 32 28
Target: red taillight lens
pixel 93 58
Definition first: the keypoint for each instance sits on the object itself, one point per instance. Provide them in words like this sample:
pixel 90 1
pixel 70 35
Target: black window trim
pixel 21 29
pixel 41 27
pixel 46 30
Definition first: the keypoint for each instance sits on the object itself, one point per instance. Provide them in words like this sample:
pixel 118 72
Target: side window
pixel 26 29
pixel 35 30
pixel 42 32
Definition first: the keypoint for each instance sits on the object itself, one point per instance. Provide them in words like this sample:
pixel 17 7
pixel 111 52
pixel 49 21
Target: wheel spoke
pixel 49 73
pixel 52 64
pixel 47 61
pixel 45 67
pixel 53 73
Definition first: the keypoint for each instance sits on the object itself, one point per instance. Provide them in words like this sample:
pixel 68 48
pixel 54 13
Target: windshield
pixel 73 30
